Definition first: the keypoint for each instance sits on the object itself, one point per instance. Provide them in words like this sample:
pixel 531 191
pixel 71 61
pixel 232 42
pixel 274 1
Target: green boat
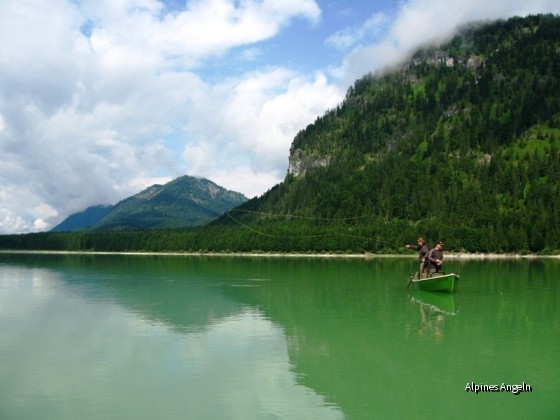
pixel 435 282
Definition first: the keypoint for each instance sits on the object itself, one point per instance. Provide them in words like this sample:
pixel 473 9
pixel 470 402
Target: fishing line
pixel 347 235
pixel 273 235
pixel 295 216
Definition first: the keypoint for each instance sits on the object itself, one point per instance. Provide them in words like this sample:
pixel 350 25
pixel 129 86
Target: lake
pixel 185 337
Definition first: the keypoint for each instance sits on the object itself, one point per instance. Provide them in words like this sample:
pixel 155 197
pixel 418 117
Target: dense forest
pixel 460 143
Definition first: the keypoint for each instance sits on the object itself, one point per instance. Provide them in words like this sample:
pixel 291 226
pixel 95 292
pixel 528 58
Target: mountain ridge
pixel 183 202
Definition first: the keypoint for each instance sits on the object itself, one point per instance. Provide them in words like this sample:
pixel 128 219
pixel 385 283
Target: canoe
pixel 435 282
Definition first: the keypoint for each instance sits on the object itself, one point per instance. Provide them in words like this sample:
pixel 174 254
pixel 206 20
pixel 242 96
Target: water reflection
pixel 434 302
pixel 434 309
pixel 116 346
pixel 178 337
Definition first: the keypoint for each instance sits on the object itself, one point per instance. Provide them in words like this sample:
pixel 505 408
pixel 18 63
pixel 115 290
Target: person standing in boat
pixel 423 252
pixel 435 258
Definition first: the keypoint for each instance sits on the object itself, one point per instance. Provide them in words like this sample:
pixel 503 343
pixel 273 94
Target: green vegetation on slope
pixel 184 202
pixel 461 143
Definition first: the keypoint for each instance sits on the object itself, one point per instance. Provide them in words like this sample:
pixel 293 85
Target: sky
pixel 100 99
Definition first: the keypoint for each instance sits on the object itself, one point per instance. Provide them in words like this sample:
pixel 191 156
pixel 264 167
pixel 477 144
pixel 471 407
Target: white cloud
pixel 43 211
pixel 349 37
pixel 12 200
pixel 251 125
pixel 10 222
pixel 247 179
pixel 418 22
pixel 88 116
pixel 203 29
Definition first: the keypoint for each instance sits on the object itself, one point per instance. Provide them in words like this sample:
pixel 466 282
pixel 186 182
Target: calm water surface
pixel 168 337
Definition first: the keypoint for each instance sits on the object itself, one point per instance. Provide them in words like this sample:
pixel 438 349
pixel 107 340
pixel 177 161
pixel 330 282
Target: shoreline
pixel 448 255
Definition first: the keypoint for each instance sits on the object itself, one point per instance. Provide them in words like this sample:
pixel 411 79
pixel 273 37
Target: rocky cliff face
pixel 300 162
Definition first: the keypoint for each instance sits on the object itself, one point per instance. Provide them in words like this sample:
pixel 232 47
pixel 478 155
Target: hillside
pixel 461 143
pixel 184 202
pixel 84 219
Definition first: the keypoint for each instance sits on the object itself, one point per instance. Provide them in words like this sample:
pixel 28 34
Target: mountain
pixel 84 219
pixel 460 142
pixel 184 202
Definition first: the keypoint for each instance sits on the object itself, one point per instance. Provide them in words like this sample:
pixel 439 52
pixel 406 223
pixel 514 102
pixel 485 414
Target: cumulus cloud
pixel 98 98
pixel 203 29
pixel 367 31
pixel 255 118
pixel 419 22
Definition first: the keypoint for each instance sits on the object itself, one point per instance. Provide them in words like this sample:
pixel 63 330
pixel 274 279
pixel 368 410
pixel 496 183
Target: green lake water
pixel 177 337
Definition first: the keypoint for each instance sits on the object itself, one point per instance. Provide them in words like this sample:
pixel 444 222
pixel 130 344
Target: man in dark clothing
pixel 435 257
pixel 423 252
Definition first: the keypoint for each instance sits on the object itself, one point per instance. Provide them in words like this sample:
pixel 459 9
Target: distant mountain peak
pixel 183 202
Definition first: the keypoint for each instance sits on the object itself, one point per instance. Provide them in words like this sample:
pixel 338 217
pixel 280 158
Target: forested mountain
pixel 460 143
pixel 184 202
pixel 84 219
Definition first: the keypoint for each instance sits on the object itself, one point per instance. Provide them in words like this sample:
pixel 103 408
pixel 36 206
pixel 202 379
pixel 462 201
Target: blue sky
pixel 102 98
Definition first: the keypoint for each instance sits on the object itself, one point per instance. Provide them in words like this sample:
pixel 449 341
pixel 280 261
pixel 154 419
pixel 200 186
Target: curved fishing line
pixel 273 235
pixel 295 216
pixel 347 235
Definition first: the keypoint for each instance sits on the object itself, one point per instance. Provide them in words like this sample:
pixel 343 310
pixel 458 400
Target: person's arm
pixel 433 258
